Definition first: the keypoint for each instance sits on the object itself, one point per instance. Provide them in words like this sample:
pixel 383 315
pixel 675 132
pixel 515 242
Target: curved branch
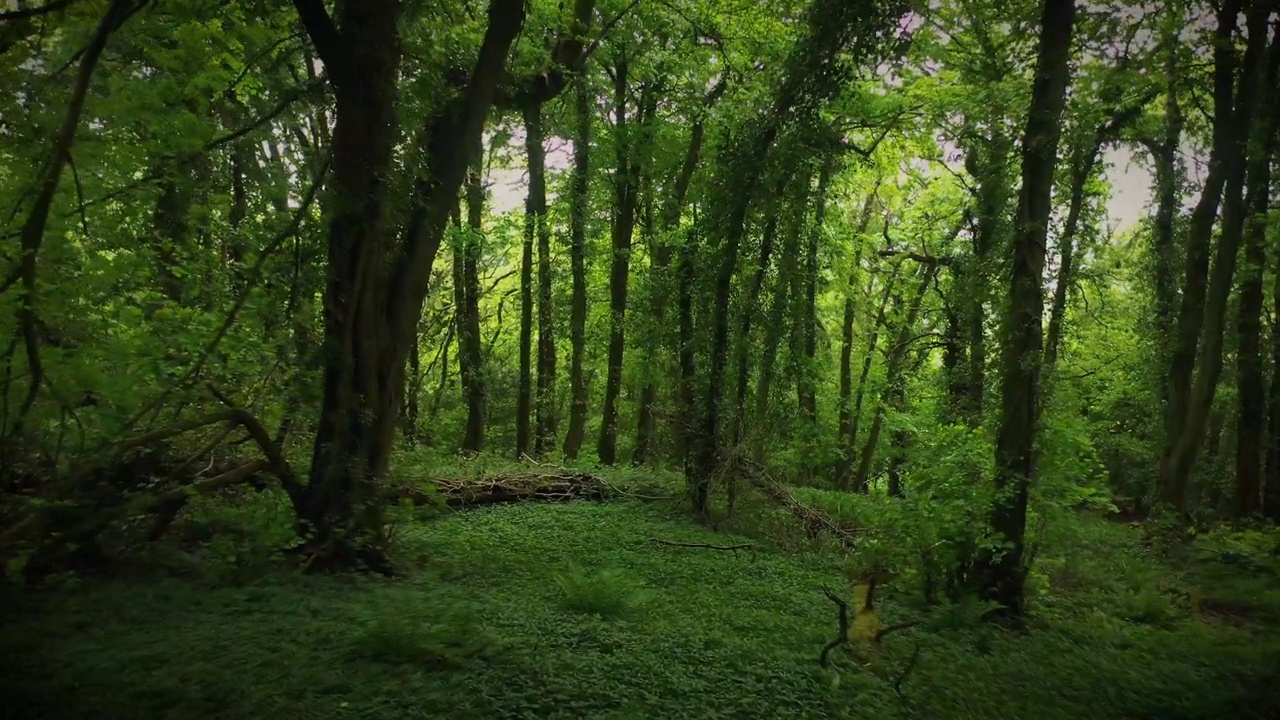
pixel 33 230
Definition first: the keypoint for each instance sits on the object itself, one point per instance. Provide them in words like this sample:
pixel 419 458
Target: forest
pixel 640 359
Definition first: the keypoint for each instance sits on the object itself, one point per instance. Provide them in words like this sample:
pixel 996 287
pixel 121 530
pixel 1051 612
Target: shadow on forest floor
pixel 572 611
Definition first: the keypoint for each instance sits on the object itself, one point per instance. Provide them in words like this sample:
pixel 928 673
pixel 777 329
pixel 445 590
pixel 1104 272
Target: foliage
pixel 480 633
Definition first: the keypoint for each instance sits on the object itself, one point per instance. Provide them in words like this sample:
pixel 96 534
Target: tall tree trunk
pixel 545 405
pixel 372 301
pixel 1190 315
pixel 845 423
pixel 1181 450
pixel 742 351
pixel 781 309
pixel 833 26
pixel 1169 176
pixel 660 259
pixel 524 392
pixel 1271 496
pixel 1002 574
pixel 579 199
pixel 988 164
pixel 466 260
pixel 809 393
pixel 625 188
pixel 1250 385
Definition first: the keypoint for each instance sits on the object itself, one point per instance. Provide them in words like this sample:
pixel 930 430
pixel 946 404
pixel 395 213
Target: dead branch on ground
pixel 734 548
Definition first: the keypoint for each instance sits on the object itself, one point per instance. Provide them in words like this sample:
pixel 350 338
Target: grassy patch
pixel 572 611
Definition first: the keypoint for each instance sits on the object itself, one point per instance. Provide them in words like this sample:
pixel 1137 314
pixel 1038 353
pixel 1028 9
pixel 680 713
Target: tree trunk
pixel 1250 385
pixel 373 302
pixel 1001 574
pixel 833 25
pixel 660 259
pixel 1181 450
pixel 1169 178
pixel 1271 497
pixel 545 403
pixel 749 308
pixel 809 393
pixel 467 298
pixel 524 392
pixel 579 199
pixel 988 165
pixel 845 423
pixel 1190 316
pixel 625 189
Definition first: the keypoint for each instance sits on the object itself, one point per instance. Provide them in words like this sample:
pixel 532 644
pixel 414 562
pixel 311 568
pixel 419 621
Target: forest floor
pixel 572 610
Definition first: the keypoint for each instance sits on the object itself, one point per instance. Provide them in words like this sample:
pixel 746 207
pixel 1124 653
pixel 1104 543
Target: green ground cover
pixel 571 610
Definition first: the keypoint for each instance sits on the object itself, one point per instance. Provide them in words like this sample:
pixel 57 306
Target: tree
pixel 1000 570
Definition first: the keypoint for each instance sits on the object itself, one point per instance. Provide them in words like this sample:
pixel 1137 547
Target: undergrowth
pixel 573 611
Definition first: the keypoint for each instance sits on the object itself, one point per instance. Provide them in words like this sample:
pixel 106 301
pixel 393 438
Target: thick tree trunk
pixel 373 302
pixel 626 182
pixel 1181 450
pixel 579 200
pixel 1271 495
pixel 353 445
pixel 1002 575
pixel 1250 385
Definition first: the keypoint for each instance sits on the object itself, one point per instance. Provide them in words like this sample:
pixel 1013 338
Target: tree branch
pixel 324 34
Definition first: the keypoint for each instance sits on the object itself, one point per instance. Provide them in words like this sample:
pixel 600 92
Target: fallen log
pixel 463 493
pixel 815 522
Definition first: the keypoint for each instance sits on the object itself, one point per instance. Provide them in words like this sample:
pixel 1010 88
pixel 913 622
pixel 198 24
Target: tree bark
pixel 372 301
pixel 467 300
pixel 660 260
pixel 1250 385
pixel 1190 315
pixel 1237 116
pixel 749 309
pixel 579 199
pixel 1002 575
pixel 626 186
pixel 850 441
pixel 809 391
pixel 545 402
pixel 845 422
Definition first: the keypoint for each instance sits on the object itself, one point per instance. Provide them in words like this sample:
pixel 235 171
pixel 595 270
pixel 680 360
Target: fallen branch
pixel 815 522
pixel 461 493
pixel 842 609
pixel 734 548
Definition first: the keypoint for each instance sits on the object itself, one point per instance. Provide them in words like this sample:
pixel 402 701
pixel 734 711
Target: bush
pixel 608 593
